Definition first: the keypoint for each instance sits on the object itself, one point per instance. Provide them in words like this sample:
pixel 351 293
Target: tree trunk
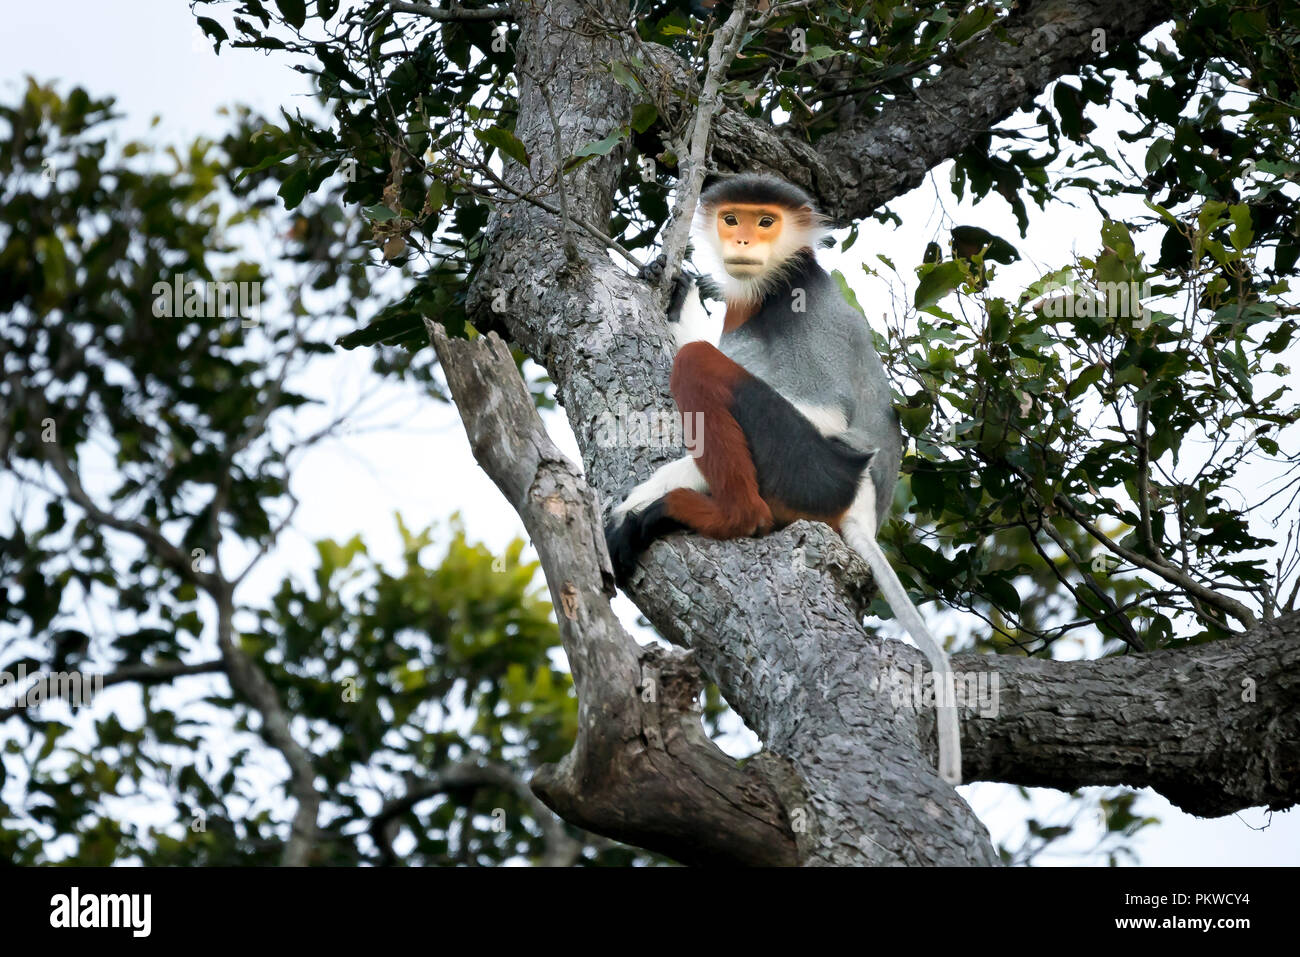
pixel 847 773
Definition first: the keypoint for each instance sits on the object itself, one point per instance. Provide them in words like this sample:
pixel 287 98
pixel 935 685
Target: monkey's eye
pixel 767 222
pixel 730 220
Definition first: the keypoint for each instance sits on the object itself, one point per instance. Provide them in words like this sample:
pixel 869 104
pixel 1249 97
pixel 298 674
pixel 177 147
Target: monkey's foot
pixel 629 535
pixel 756 520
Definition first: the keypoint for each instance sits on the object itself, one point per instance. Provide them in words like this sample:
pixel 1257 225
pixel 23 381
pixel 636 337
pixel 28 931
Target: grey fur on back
pixel 823 356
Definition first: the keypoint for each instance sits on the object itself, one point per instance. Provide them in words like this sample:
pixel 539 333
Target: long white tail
pixel 864 543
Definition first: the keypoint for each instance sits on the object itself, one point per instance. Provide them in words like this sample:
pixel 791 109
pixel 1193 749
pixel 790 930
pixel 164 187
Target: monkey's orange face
pixel 747 235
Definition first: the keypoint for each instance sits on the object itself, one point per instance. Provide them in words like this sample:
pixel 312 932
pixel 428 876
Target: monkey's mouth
pixel 743 262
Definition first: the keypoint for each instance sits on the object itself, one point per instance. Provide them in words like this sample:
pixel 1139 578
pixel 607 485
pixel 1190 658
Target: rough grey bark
pixel 1214 728
pixel 775 622
pixel 782 638
pixel 866 794
pixel 642 769
pixel 879 157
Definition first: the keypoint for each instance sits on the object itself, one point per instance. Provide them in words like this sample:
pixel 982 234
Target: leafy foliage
pixel 1122 399
pixel 1057 427
pixel 148 439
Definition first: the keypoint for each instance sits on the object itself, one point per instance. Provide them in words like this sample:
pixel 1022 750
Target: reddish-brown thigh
pixel 703 384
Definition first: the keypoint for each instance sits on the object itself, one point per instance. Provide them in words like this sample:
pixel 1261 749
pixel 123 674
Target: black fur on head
pixel 754 188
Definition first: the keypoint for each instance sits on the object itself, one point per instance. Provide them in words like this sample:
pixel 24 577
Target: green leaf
pixel 819 52
pixel 215 30
pixel 397 326
pixel 938 282
pixel 1116 235
pixel 293 11
pixel 847 291
pixel 293 189
pixel 970 240
pixel 644 116
pixel 504 141
pixel 1001 592
pixel 602 147
pixel 1068 101
pixel 1242 234
pixel 973 22
pixel 1163 213
pixel 999 320
pixel 916 418
pixel 338 65
pixel 265 163
pixel 927 488
pixel 1156 157
pixel 1210 213
pixel 625 78
pixel 1086 378
pixel 1250 24
pixel 437 195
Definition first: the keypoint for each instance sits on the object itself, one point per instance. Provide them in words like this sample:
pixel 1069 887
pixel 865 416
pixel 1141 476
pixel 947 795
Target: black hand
pixel 682 286
pixel 653 271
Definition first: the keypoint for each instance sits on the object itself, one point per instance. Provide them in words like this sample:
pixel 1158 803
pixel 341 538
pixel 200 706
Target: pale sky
pixel 149 55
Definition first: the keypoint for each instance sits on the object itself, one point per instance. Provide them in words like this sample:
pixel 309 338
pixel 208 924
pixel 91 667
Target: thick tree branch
pixel 776 622
pixel 790 654
pixel 877 157
pixel 1214 728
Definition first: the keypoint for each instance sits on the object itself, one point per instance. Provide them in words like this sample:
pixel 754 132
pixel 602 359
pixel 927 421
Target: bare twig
pixel 570 248
pixel 723 50
pixel 1121 622
pixel 265 547
pixel 1144 480
pixel 555 211
pixel 249 681
pixel 561 849
pixel 1194 588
